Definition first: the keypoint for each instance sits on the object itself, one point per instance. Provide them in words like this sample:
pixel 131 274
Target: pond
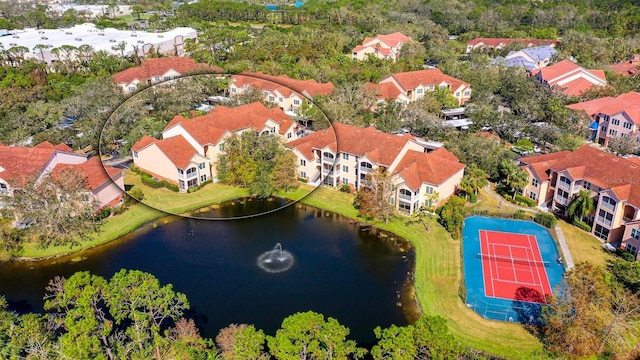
pixel 358 275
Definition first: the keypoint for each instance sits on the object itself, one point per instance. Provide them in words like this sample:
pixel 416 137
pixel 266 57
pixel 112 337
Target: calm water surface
pixel 358 277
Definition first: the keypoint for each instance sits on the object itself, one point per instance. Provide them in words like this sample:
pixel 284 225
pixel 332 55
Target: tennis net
pixel 512 260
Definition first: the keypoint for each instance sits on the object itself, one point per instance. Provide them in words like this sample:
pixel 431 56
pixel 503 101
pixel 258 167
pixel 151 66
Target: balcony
pixel 603 220
pixel 607 206
pixel 564 186
pixel 562 201
pixel 365 169
pixel 404 197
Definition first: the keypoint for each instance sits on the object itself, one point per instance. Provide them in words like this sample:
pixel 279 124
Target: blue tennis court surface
pixel 524 305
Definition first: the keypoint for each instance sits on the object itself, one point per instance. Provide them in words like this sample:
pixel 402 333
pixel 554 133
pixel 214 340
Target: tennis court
pixel 510 267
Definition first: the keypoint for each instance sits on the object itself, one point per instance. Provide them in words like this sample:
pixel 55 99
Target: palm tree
pixel 518 180
pixel 582 204
pixel 477 178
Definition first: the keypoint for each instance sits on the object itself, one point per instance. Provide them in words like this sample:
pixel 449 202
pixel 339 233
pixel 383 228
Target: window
pixel 203 178
pixel 586 185
pixel 429 190
pixel 467 93
pixel 280 99
pixel 631 249
pixel 345 156
pixel 627 125
pixel 234 90
pixel 615 122
pixel 303 174
pixel 605 217
pixel 180 171
pixel 132 88
pixel 431 87
pixel 296 102
pixel 156 78
pixel 181 185
pixel 535 182
pixel 601 232
pixel 603 129
pixel 613 132
pixel 608 203
pixel 345 181
pixel 289 135
pixel 166 78
pixel 635 233
pixel 565 180
pixel 457 93
pixel 272 98
pixel 405 194
pixel 404 207
pixel 532 195
pixel 221 147
pixel 327 155
pixel 135 154
pixel 191 171
pixel 303 162
pixel 345 168
pixel 201 166
pixel 272 130
pixel 419 90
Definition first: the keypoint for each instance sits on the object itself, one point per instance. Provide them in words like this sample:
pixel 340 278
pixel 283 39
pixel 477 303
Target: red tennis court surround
pixel 512 267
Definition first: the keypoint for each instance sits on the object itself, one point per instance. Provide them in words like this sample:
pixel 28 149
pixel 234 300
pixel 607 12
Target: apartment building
pixel 382 46
pixel 612 181
pixel 423 175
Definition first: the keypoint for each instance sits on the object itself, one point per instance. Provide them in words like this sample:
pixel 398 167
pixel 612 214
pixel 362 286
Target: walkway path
pixel 566 254
pixel 503 202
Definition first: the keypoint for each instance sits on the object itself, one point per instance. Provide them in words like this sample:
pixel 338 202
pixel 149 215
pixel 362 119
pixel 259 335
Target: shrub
pixel 525 201
pixel 103 214
pixel 581 224
pixel 345 188
pixel 519 215
pixel 170 186
pixel 451 216
pixel 196 188
pixel 473 198
pixel 544 219
pixel 134 168
pixel 136 193
pixel 625 255
pixel 150 182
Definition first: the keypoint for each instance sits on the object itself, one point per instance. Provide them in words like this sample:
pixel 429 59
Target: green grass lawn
pixel 179 202
pixel 584 246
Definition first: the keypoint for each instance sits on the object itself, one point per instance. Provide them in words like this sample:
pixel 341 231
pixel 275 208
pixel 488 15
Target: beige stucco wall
pixel 152 159
pixel 109 191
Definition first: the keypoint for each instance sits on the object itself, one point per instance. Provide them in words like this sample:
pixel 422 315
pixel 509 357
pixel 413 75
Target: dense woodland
pixel 599 316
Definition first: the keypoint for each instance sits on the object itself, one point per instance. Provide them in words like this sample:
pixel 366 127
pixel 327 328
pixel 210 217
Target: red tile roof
pixel 177 149
pixel 20 162
pixel 48 145
pixel 159 66
pixel 494 42
pixel 209 128
pixel 385 90
pixel 143 143
pixel 412 79
pixel 628 103
pixel 283 84
pixel 556 73
pixel 391 40
pixel 94 172
pixel 595 166
pixel 377 146
pixel 432 168
pixel 629 67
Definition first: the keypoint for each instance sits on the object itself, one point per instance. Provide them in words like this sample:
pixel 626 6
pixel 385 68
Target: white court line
pixel 493 290
pixel 538 267
pixel 482 262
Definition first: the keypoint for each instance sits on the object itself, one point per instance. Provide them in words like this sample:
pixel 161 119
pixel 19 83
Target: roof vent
pixel 160 36
pixel 101 34
pixel 134 35
pixel 16 37
pixel 78 39
pixel 44 38
pixel 141 41
pixel 68 32
pixel 112 40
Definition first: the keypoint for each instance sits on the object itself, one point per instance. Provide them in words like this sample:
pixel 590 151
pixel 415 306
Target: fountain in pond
pixel 276 260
